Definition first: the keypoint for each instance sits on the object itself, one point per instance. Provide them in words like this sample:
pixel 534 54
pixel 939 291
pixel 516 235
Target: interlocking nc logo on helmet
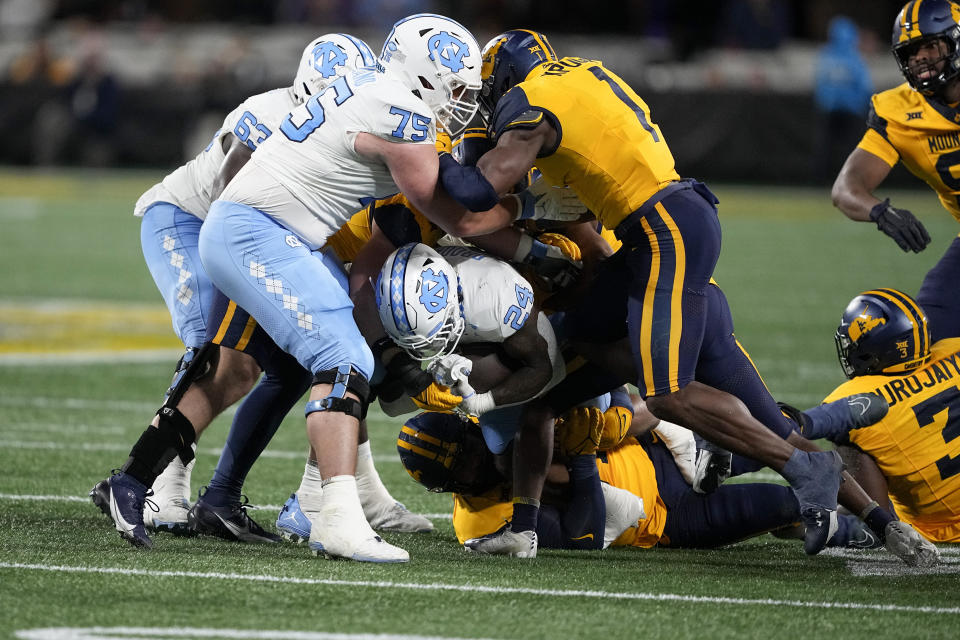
pixel 327 57
pixel 448 50
pixel 433 296
pixel 864 323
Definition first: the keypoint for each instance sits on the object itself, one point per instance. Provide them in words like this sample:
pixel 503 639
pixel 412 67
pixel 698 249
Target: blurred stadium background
pixel 143 83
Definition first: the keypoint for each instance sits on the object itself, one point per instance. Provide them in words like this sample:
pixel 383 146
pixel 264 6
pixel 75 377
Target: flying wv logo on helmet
pixel 864 323
pixel 448 50
pixel 327 56
pixel 433 295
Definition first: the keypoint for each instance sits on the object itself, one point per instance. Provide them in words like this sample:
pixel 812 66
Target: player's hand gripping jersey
pixel 921 132
pixel 608 150
pixel 252 122
pixel 309 177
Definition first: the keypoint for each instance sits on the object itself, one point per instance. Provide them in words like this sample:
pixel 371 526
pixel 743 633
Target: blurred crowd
pixel 66 52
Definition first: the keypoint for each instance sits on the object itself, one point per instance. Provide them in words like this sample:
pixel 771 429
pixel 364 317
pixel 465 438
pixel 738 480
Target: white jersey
pixel 496 302
pixel 189 187
pixel 309 177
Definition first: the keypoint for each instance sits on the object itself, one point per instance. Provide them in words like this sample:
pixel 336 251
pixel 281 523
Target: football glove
pixel 578 432
pixel 437 397
pixel 542 201
pixel 549 261
pixel 616 422
pixel 450 369
pixel 403 376
pixel 901 225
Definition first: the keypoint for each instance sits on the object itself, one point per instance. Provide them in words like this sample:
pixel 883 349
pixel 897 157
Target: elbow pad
pixel 467 185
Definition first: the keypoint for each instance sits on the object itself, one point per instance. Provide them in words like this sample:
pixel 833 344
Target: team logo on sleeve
pixel 433 294
pixel 448 50
pixel 327 56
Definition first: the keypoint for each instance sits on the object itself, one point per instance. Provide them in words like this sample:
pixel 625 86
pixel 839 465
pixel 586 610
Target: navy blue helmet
pixel 507 59
pixel 444 453
pixel 882 331
pixel 920 23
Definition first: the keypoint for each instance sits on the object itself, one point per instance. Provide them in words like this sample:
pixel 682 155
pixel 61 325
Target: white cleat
pixel 394 517
pixel 340 531
pixel 903 541
pixel 171 495
pixel 505 542
pixel 624 511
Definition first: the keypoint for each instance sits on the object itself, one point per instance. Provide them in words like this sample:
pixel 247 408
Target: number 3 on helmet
pixel 882 331
pixel 418 302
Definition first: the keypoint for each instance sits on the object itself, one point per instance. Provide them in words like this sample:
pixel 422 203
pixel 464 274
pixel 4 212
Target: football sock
pixel 254 424
pixel 877 518
pixel 584 519
pixel 370 488
pixel 525 511
pixel 312 482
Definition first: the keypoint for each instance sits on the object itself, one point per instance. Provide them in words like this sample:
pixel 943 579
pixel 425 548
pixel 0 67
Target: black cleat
pixel 230 522
pixel 122 498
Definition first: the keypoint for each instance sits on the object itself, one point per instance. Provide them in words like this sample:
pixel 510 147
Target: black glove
pixel 558 273
pixel 403 376
pixel 901 225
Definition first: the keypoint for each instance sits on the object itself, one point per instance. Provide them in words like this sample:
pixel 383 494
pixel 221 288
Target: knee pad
pixel 193 365
pixel 343 379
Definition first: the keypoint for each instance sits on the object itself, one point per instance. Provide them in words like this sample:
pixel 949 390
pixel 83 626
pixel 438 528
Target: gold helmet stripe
pixel 885 294
pixel 919 318
pixel 542 41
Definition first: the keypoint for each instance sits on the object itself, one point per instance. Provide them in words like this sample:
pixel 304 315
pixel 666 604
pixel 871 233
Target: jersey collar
pixel 950 113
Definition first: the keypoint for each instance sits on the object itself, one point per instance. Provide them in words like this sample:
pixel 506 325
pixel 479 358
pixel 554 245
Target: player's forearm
pixel 523 384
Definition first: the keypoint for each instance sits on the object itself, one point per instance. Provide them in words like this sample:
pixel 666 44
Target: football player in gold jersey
pixel 909 459
pixel 918 124
pixel 584 128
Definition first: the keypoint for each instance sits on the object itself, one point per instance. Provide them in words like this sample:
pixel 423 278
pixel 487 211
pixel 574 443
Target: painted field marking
pixel 483 589
pixel 20 497
pixel 113 633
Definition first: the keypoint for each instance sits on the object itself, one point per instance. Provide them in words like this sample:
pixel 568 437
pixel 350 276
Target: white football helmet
pixel 439 60
pixel 419 303
pixel 327 57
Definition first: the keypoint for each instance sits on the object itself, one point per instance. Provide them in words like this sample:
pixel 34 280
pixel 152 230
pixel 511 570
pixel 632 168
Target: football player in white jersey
pixel 432 302
pixel 368 133
pixel 203 318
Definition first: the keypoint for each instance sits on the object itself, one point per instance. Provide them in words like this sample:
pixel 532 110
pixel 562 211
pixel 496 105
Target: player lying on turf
pixel 910 459
pixel 643 499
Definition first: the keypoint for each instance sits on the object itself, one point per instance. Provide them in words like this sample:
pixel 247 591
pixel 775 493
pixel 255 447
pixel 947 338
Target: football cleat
pixel 505 542
pixel 396 518
pixel 341 531
pixel 230 522
pixel 292 523
pixel 903 541
pixel 816 481
pixel 624 510
pixel 712 470
pixel 171 491
pixel 852 533
pixel 122 498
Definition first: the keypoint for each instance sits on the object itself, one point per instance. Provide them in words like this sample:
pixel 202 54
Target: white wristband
pixel 523 248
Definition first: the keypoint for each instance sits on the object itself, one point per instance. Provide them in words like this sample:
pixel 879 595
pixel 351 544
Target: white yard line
pixel 66 358
pixel 22 497
pixel 483 589
pixel 148 633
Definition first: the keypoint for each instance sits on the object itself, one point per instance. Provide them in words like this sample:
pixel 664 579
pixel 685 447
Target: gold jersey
pixel 916 445
pixel 609 150
pixel 627 467
pixel 923 133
